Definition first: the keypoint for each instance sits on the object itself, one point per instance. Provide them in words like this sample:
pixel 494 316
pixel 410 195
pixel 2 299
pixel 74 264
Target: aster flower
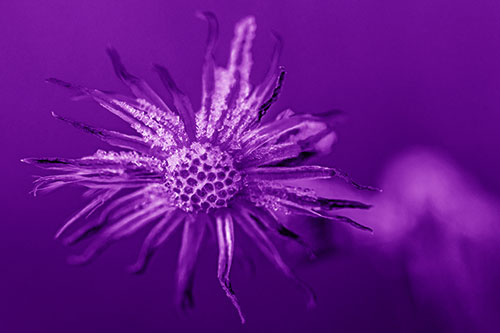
pixel 205 171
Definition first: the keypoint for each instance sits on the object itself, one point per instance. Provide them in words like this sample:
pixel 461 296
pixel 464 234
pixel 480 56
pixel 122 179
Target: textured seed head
pixel 201 178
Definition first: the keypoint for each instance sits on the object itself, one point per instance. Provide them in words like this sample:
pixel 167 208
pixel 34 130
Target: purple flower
pixel 211 169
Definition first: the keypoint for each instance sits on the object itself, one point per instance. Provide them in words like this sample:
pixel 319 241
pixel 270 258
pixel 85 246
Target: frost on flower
pixel 209 170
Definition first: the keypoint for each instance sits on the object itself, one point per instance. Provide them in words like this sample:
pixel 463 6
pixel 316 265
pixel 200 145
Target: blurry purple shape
pixel 444 229
pixel 423 183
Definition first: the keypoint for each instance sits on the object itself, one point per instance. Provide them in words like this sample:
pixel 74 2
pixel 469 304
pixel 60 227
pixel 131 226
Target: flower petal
pixel 274 96
pixel 225 237
pixel 306 197
pixel 159 128
pixel 114 138
pixel 268 222
pixel 248 224
pixel 192 236
pixel 294 208
pixel 284 173
pixel 98 201
pixel 310 133
pixel 138 86
pixel 271 155
pixel 301 172
pixel 180 100
pixel 295 200
pixel 104 170
pixel 134 163
pixel 115 210
pixel 156 237
pixel 123 227
pixel 208 83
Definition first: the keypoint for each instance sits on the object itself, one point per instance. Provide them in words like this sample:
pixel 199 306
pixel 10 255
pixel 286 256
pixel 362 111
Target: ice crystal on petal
pixel 217 167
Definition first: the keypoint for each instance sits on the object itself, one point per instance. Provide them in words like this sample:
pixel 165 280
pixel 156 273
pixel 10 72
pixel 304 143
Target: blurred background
pixel 418 82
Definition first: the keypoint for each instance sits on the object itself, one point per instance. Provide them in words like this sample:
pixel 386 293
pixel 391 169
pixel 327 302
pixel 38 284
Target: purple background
pixel 406 72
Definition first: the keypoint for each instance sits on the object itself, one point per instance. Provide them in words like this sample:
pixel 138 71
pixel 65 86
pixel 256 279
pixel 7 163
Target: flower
pixel 209 169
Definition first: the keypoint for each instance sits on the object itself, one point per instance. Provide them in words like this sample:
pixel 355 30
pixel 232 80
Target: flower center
pixel 202 178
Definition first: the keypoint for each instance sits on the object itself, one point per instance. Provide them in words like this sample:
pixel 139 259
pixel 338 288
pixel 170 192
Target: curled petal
pixel 225 237
pixel 274 97
pixel 138 86
pixel 266 86
pixel 255 106
pixel 345 177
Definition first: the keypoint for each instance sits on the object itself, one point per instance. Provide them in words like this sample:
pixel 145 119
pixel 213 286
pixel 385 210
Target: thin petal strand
pixel 192 236
pixel 156 237
pixel 98 201
pixel 268 222
pixel 138 86
pixel 300 172
pixel 124 227
pixel 158 129
pixel 225 237
pixel 115 210
pixel 208 84
pixel 114 138
pixel 180 100
pixel 248 224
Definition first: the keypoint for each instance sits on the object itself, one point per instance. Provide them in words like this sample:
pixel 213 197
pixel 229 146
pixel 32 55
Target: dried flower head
pixel 210 169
